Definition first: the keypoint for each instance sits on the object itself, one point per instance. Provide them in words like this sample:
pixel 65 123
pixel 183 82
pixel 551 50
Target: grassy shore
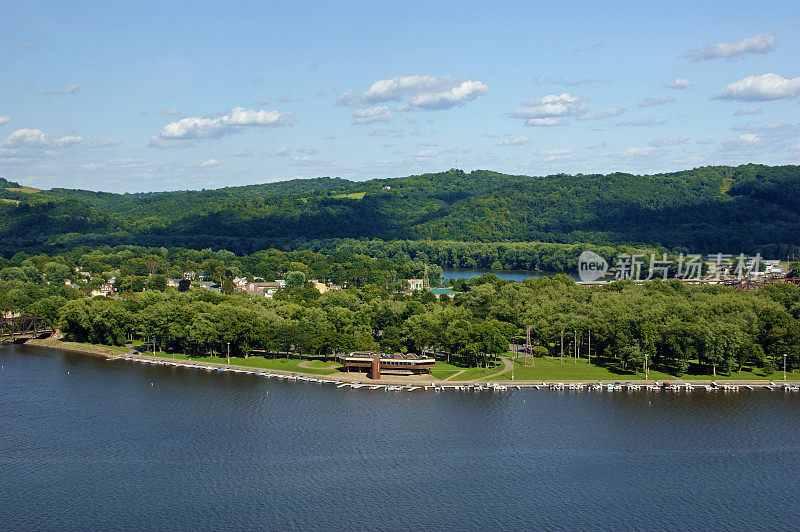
pixel 552 369
pixel 282 364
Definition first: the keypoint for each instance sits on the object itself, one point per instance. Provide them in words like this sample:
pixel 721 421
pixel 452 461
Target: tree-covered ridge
pixel 750 208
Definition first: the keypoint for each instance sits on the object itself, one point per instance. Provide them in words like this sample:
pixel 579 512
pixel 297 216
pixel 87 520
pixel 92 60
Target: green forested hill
pixel 711 209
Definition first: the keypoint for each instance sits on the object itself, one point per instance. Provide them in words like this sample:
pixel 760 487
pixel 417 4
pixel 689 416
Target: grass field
pixel 24 190
pixel 283 364
pixel 551 369
pixel 354 195
pixel 443 370
pixel 4 200
pixel 480 373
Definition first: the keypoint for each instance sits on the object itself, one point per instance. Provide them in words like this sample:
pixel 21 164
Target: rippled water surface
pixel 90 444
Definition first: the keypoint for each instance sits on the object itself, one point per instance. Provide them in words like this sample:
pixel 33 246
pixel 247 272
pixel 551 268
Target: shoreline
pixel 359 380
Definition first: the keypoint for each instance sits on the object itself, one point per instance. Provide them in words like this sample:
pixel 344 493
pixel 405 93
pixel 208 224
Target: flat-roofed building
pixel 391 364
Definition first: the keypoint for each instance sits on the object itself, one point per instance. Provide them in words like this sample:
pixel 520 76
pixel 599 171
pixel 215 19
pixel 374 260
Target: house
pixel 321 287
pixel 173 282
pixel 262 286
pixel 386 187
pixel 416 284
pixel 442 292
pixel 189 275
pixel 106 289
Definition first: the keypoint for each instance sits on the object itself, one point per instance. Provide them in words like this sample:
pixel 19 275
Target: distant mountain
pixel 710 209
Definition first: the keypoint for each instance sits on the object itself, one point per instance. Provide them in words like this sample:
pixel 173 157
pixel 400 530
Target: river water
pixel 91 444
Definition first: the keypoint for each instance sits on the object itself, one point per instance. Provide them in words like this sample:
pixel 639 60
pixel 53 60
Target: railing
pixel 24 327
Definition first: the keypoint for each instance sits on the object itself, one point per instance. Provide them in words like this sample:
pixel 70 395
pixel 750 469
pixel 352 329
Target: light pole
pixel 646 374
pixel 784 366
pixel 229 353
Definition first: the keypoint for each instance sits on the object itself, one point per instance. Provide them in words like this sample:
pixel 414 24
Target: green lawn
pixel 747 374
pixel 283 364
pixel 480 373
pixel 551 369
pixel 323 364
pixel 442 370
pixel 354 195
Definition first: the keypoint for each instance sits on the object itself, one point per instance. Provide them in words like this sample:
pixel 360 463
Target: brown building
pixel 394 364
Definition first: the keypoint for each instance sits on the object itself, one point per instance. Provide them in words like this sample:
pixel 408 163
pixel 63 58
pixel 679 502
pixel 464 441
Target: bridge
pixel 24 328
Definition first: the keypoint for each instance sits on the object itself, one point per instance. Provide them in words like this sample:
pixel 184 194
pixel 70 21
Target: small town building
pixel 391 364
pixel 442 292
pixel 106 289
pixel 416 284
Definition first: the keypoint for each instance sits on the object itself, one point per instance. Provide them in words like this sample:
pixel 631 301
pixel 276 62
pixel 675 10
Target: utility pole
pixel 229 353
pixel 646 374
pixel 528 345
pixel 590 346
pixel 562 347
pixel 784 366
pixel 577 348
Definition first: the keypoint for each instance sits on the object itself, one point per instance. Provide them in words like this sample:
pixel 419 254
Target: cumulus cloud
pixel 516 141
pixel 661 100
pixel 74 89
pixel 748 111
pixel 4 120
pixel 606 112
pixel 679 83
pixel 760 88
pixel 380 113
pixel 37 139
pixel 759 44
pixel 550 106
pixel 197 128
pixel 380 132
pixel 418 92
pixel 760 138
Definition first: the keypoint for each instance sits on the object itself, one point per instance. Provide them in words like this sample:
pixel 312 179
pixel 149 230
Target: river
pixel 91 444
pixel 508 275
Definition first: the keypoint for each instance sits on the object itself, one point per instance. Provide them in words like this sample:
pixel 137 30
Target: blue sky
pixel 128 97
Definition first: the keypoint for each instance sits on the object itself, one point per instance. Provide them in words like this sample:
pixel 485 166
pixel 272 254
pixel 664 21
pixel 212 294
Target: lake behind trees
pixel 90 444
pixel 508 275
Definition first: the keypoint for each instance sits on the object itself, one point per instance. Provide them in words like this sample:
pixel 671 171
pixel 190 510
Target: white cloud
pixel 426 153
pixel 170 112
pixel 545 122
pixel 308 150
pixel 247 152
pixel 661 100
pixel 516 141
pixel 759 88
pixel 380 113
pixel 759 139
pixel 418 92
pixel 759 44
pixel 749 111
pixel 206 163
pixel 195 128
pixel 550 106
pixel 605 112
pixel 36 139
pixel 642 122
pixel 429 143
pixel 283 151
pixel 679 83
pixel 4 120
pixel 74 89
